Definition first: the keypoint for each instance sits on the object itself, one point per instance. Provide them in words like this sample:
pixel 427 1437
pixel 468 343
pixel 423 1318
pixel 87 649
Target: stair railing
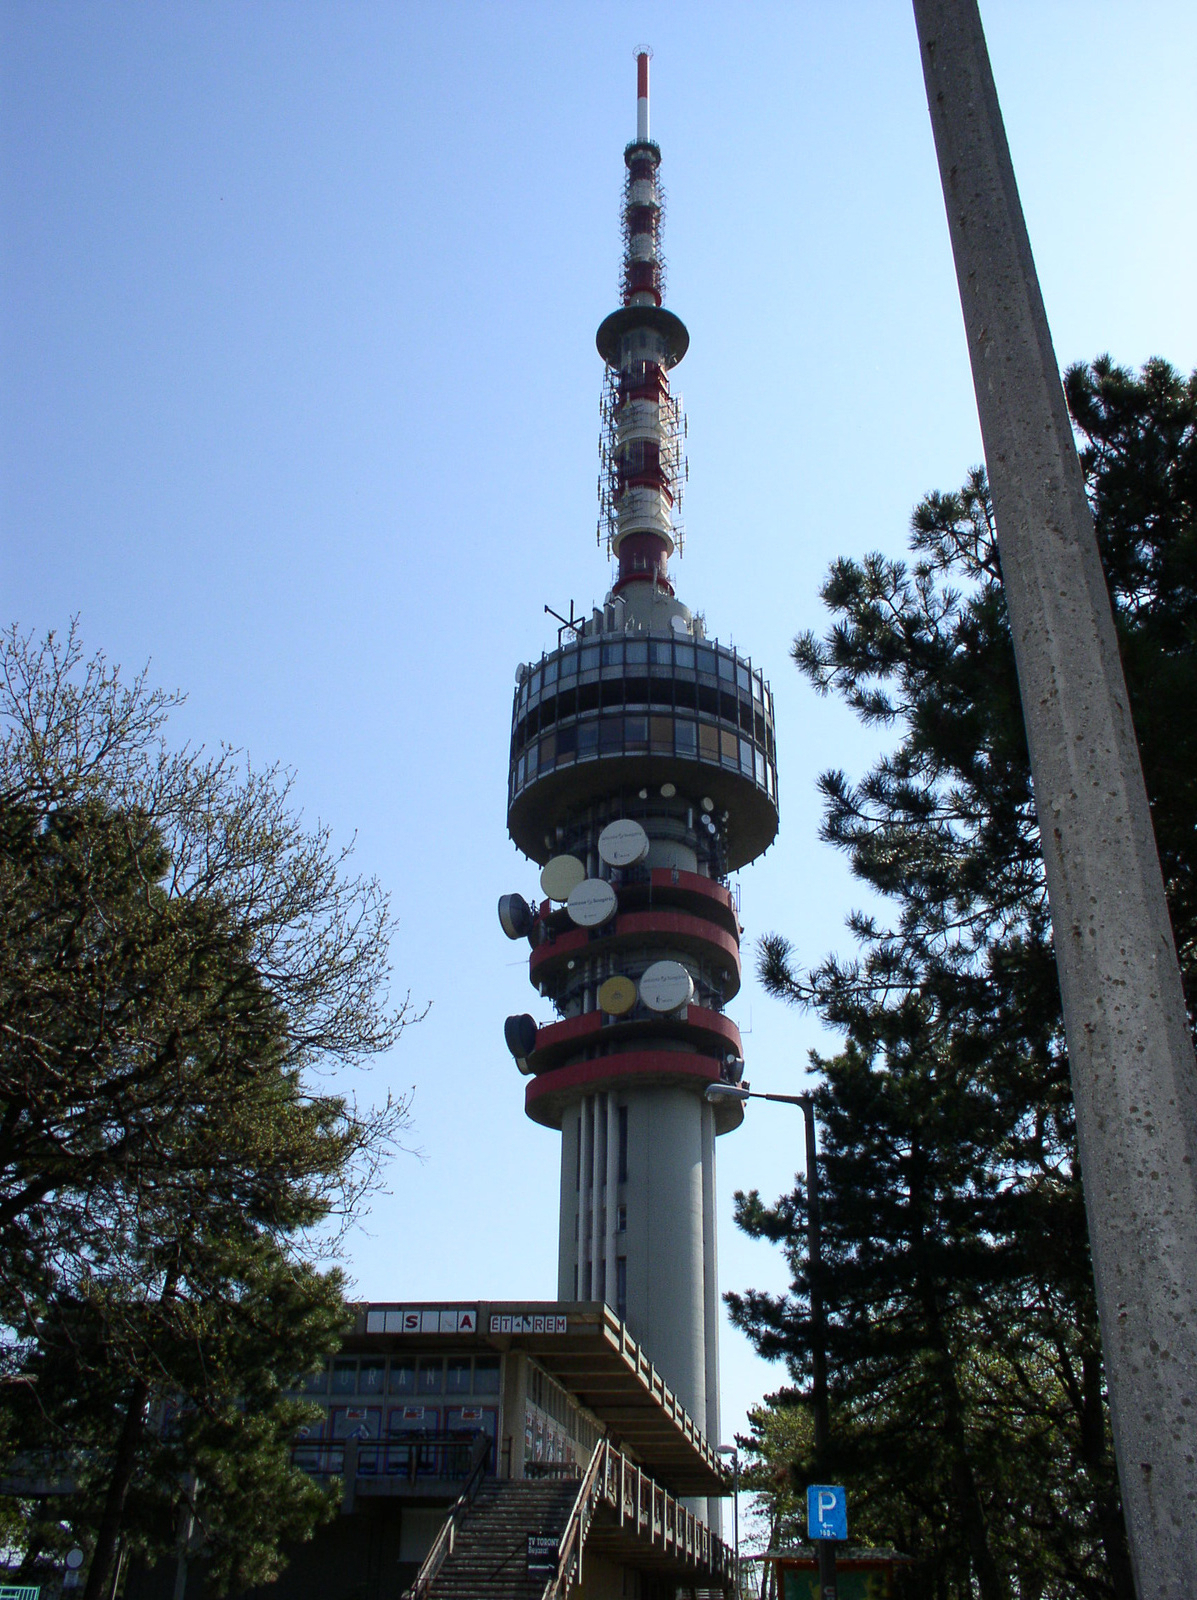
pixel 446 1539
pixel 569 1550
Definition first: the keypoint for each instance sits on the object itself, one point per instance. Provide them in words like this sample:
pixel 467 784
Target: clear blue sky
pixel 299 403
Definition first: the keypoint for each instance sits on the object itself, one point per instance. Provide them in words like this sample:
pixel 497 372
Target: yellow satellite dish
pixel 617 996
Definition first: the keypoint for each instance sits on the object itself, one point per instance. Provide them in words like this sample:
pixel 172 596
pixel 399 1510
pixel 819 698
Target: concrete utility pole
pixel 1133 1073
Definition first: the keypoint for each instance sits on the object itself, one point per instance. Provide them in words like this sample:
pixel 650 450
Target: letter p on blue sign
pixel 826 1512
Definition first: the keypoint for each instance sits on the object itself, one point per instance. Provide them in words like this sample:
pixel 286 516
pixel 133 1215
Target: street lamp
pixel 818 1314
pixel 730 1450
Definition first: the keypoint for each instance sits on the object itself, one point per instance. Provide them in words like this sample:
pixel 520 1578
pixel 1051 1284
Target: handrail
pixel 655 1515
pixel 569 1550
pixel 443 1544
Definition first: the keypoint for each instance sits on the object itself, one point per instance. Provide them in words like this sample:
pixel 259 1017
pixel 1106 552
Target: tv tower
pixel 643 772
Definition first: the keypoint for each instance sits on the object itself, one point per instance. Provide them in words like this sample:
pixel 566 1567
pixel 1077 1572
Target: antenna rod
pixel 642 97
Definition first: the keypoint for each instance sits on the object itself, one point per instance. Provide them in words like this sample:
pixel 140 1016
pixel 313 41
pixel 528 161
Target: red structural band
pixel 641 77
pixel 636 924
pixel 545 1098
pixel 557 1039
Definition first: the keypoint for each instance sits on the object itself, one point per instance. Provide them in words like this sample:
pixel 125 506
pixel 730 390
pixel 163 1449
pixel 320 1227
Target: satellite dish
pixel 666 986
pixel 733 1069
pixel 515 915
pixel 623 843
pixel 679 624
pixel 521 672
pixel 560 876
pixel 591 903
pixel 617 996
pixel 707 803
pixel 520 1036
pixel 668 790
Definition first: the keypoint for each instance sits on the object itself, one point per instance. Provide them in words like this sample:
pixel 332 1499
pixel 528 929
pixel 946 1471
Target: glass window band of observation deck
pixel 695 702
pixel 615 657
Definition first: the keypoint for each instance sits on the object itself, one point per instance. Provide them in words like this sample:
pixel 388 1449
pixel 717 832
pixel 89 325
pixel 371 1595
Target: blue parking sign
pixel 826 1512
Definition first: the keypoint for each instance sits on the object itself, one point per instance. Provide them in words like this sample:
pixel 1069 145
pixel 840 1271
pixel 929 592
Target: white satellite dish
pixel 623 843
pixel 679 624
pixel 666 986
pixel 592 903
pixel 560 876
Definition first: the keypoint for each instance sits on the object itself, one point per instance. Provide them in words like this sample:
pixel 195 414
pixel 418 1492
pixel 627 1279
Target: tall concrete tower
pixel 642 773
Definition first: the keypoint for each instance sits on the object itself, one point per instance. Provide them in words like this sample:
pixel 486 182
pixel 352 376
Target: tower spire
pixel 643 461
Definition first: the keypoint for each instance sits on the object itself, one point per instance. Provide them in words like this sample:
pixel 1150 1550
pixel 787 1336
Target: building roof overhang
pixel 590 1353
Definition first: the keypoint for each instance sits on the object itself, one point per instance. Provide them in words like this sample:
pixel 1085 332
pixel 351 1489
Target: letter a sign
pixel 826 1512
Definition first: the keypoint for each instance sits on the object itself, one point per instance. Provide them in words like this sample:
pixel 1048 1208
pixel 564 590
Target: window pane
pixel 403 1377
pixel 316 1382
pixel 685 655
pixel 636 652
pixel 371 1375
pixel 742 678
pixel 550 673
pixel 686 735
pixel 661 734
pixel 486 1375
pixel 457 1375
pixel 636 733
pixel 727 668
pixel 756 686
pixel 587 738
pixel 344 1376
pixel 567 741
pixel 548 749
pixel 611 733
pixel 613 655
pixel 731 747
pixel 759 761
pixel 520 771
pixel 590 656
pixel 708 741
pixel 533 753
pixel 746 757
pixel 569 663
pixel 430 1376
pixel 707 661
pixel 662 655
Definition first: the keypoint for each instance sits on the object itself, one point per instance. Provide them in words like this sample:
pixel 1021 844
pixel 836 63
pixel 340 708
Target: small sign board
pixel 826 1512
pixel 542 1555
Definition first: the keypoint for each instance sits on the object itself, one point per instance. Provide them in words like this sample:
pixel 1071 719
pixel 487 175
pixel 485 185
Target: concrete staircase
pixel 488 1559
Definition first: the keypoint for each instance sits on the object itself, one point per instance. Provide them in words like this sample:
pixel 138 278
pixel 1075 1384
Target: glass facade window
pixel 661 652
pixel 685 655
pixel 315 1382
pixel 636 733
pixel 686 734
pixel 613 655
pixel 371 1375
pixel 746 757
pixel 759 761
pixel 611 734
pixel 661 735
pixel 403 1377
pixel 757 689
pixel 636 653
pixel 590 657
pixel 587 739
pixel 707 662
pixel 708 742
pixel 430 1376
pixel 486 1375
pixel 569 664
pixel 727 668
pixel 550 673
pixel 344 1376
pixel 730 746
pixel 742 679
pixel 548 750
pixel 457 1375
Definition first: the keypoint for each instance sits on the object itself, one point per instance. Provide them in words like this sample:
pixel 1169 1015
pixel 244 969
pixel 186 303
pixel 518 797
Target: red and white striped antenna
pixel 643 54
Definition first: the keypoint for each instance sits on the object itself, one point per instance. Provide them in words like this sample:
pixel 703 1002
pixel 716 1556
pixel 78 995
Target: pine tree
pixel 963 1342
